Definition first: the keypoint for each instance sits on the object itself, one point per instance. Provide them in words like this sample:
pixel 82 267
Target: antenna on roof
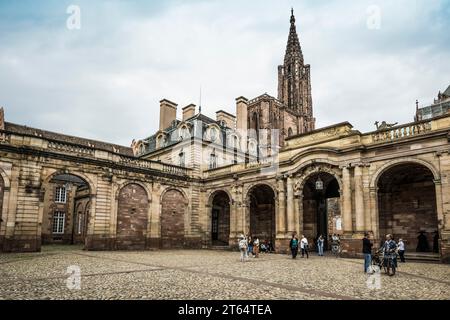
pixel 200 103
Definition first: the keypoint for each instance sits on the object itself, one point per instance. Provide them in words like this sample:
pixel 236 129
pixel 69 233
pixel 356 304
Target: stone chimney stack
pixel 241 114
pixel 229 119
pixel 2 119
pixel 188 112
pixel 167 113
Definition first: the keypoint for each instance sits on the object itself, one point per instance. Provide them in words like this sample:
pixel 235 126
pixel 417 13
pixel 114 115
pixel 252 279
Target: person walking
pixel 249 246
pixel 367 252
pixel 320 243
pixel 304 247
pixel 256 247
pixel 294 246
pixel 243 247
pixel 401 250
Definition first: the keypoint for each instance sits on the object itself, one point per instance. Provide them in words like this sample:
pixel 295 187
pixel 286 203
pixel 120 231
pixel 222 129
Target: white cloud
pixel 105 80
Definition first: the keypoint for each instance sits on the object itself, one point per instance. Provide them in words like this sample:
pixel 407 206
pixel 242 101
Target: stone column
pixel 281 219
pixel 290 206
pixel 346 200
pixel 373 204
pixel 298 212
pixel 439 209
pixel 359 199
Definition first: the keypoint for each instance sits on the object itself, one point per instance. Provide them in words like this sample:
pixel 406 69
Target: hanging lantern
pixel 319 184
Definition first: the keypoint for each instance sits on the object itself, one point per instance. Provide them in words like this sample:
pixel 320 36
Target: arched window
pixel 290 132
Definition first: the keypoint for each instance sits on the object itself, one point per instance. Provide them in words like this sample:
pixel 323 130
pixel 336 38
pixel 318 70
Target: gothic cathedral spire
pixel 294 82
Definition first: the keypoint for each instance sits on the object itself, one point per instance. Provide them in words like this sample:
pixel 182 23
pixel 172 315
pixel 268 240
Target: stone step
pixel 425 257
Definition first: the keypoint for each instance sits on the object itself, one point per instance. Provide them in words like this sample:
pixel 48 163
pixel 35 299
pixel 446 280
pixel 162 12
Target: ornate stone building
pixel 200 182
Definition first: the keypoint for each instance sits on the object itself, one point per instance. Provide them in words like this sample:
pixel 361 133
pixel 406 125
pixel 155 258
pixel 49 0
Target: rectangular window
pixel 58 222
pixel 60 195
pixel 212 161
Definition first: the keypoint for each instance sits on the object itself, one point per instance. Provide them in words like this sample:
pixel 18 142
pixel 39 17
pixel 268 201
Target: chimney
pixel 229 119
pixel 2 119
pixel 188 111
pixel 167 113
pixel 241 114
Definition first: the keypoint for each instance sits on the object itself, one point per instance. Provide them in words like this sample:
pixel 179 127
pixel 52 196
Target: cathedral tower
pixel 294 82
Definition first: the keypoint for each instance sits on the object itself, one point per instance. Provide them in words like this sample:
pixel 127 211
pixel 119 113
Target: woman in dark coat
pixel 422 245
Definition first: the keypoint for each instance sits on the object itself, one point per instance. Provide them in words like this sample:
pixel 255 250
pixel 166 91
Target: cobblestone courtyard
pixel 207 275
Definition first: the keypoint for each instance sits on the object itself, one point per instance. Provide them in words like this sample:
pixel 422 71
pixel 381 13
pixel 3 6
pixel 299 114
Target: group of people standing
pixel 389 248
pixel 294 245
pixel 252 246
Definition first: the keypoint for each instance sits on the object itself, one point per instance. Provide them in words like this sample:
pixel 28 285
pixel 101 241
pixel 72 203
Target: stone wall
pixel 407 210
pixel 132 217
pixel 309 218
pixel 172 220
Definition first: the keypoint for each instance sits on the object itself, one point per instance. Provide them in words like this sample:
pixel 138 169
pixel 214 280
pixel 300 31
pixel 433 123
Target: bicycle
pixel 389 263
pixel 336 249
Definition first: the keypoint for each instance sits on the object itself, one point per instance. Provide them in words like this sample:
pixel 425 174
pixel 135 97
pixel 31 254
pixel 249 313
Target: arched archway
pixel 220 218
pixel 173 212
pixel 407 206
pixel 321 206
pixel 63 219
pixel 132 217
pixel 261 200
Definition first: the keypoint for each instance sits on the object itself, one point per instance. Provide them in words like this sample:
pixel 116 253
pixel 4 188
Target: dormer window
pixel 184 133
pixel 161 141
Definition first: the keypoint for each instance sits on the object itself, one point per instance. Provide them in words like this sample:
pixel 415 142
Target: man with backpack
pixel 294 246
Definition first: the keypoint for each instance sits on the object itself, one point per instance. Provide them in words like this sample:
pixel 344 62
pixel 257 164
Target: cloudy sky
pixel 104 80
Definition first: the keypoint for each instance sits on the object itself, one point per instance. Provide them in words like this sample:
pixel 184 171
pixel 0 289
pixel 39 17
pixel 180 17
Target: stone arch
pixel 213 193
pixel 80 175
pixel 376 176
pixel 6 181
pixel 406 201
pixel 132 216
pixel 319 207
pixel 250 186
pixel 261 205
pixel 78 188
pixel 219 215
pixel 312 167
pixel 143 185
pixel 174 206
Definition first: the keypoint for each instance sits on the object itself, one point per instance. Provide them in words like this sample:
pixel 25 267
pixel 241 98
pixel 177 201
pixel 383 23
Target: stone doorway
pixel 321 208
pixel 407 207
pixel 220 219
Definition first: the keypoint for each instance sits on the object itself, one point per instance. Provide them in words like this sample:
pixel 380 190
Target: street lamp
pixel 319 184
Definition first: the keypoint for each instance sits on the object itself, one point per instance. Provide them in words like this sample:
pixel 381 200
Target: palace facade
pixel 200 182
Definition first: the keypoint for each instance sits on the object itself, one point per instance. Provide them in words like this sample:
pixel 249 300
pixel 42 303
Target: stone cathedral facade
pixel 200 182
